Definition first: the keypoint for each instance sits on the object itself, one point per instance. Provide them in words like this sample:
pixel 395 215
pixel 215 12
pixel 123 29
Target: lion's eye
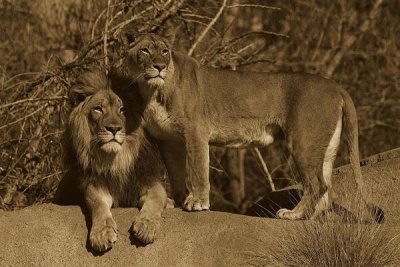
pixel 122 110
pixel 145 51
pixel 98 109
pixel 165 52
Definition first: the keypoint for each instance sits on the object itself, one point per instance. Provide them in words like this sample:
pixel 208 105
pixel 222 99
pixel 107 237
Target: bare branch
pixel 253 5
pixel 236 39
pixel 18 102
pixel 202 23
pixel 25 117
pixel 105 35
pixel 205 31
pixel 265 168
pixel 349 40
pixel 96 22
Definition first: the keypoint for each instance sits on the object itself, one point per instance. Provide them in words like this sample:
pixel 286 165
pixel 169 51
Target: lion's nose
pixel 159 67
pixel 113 129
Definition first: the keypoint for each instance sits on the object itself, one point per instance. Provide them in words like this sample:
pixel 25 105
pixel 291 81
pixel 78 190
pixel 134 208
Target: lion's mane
pixel 124 173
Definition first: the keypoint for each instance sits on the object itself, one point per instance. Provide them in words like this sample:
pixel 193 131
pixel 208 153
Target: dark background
pixel 44 44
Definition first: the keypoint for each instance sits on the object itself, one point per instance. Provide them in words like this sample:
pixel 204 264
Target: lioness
pixel 190 106
pixel 110 162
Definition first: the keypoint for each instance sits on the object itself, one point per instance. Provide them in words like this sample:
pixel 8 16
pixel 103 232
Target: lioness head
pixel 149 59
pixel 99 114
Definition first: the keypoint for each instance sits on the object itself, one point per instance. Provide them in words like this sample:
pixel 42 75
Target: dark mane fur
pixel 138 164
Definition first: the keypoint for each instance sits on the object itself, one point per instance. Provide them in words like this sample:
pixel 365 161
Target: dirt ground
pixel 51 235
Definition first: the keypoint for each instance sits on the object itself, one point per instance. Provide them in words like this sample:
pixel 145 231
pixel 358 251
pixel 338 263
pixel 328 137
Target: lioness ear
pixel 170 33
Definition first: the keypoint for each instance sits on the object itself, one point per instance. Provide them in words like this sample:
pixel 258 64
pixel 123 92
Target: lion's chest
pixel 161 124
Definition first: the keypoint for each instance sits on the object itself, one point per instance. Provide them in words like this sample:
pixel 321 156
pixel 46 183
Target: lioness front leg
pixel 153 201
pixel 174 156
pixel 103 232
pixel 197 171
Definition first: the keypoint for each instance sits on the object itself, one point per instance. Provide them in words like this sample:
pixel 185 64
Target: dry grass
pixel 338 244
pixel 339 239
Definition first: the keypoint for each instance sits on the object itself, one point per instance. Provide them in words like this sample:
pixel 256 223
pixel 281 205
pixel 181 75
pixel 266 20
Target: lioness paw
pixel 196 204
pixel 103 237
pixel 145 227
pixel 289 214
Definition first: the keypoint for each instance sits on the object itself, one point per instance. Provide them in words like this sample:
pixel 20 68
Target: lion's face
pixel 149 59
pixel 106 119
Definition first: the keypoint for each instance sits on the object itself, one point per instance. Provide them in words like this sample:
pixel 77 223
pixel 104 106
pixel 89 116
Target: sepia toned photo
pixel 199 133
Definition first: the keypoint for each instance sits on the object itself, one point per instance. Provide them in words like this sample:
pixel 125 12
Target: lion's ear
pixel 128 37
pixel 78 93
pixel 88 83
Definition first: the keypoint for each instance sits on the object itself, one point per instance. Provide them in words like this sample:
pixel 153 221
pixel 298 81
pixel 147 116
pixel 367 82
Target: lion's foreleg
pixel 103 233
pixel 153 200
pixel 197 169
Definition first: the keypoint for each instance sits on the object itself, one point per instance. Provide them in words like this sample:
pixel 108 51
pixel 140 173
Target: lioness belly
pixel 241 137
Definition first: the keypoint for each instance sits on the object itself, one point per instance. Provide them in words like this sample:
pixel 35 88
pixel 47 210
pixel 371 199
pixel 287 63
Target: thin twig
pixel 205 31
pixel 255 61
pixel 105 35
pixel 96 22
pixel 196 16
pixel 99 17
pixel 126 22
pixel 265 168
pixel 25 117
pixel 42 179
pixel 202 23
pixel 20 74
pixel 253 5
pixel 234 40
pixel 18 102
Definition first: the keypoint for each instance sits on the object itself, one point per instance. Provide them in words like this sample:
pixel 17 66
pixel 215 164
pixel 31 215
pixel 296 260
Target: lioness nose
pixel 159 67
pixel 113 129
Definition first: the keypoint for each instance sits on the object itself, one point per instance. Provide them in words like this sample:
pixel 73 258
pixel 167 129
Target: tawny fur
pixel 196 106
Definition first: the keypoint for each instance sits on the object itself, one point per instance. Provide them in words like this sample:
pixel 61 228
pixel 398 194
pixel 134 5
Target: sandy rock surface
pixel 51 235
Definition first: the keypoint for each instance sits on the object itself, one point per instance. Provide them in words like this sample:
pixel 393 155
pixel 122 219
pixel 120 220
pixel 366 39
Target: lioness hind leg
pixel 325 177
pixel 304 209
pixel 308 169
pixel 153 201
pixel 103 232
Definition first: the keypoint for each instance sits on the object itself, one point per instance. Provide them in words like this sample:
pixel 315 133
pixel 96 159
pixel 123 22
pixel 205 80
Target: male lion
pixel 110 162
pixel 190 106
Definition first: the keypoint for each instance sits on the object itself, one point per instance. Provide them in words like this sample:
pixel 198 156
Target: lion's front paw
pixel 145 227
pixel 289 214
pixel 103 237
pixel 196 204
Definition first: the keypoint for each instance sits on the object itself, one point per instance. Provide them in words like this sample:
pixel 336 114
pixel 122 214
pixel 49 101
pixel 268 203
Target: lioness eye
pixel 122 110
pixel 165 52
pixel 145 51
pixel 98 109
